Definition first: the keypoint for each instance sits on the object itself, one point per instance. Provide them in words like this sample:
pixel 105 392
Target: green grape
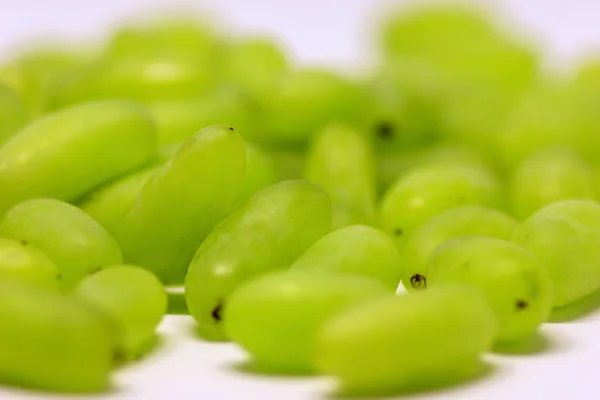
pixel 76 243
pixel 456 222
pixel 260 171
pixel 133 298
pixel 430 189
pixel 358 250
pixel 255 64
pixel 171 35
pixel 565 236
pixel 289 161
pixel 515 284
pixel 148 79
pixel 23 262
pixel 109 203
pixel 408 342
pixel 401 110
pixel 66 154
pixel 267 232
pixel 13 115
pixel 182 202
pixel 178 120
pixel 547 177
pixel 341 161
pixel 303 101
pixel 277 317
pixel 50 341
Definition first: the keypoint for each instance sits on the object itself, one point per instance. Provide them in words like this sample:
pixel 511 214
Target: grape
pixel 565 236
pixel 277 317
pixel 267 232
pixel 23 262
pixel 358 250
pixel 515 284
pixel 547 177
pixel 255 64
pixel 65 154
pixel 260 171
pixel 430 189
pixel 303 101
pixel 460 221
pixel 182 202
pixel 178 120
pixel 109 203
pixel 133 298
pixel 13 115
pixel 412 341
pixel 52 342
pixel 341 161
pixel 76 243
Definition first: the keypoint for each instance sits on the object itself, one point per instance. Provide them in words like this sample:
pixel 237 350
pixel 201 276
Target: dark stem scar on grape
pixel 24 242
pixel 385 129
pixel 58 276
pixel 231 128
pixel 398 232
pixel 216 312
pixel 521 304
pixel 418 281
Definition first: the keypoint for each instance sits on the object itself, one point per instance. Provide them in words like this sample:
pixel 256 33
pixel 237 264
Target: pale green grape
pixel 303 101
pixel 515 284
pixel 109 203
pixel 178 120
pixel 341 161
pixel 547 177
pixel 277 317
pixel 66 154
pixel 260 171
pixel 76 243
pixel 565 236
pixel 358 250
pixel 430 189
pixel 52 342
pixel 182 202
pixel 460 221
pixel 255 64
pixel 13 115
pixel 23 262
pixel 133 298
pixel 407 342
pixel 267 232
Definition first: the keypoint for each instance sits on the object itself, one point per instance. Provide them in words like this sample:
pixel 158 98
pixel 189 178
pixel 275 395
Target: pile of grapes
pixel 290 202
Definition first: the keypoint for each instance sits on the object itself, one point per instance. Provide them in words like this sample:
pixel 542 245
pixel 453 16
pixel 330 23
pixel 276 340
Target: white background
pixel 563 364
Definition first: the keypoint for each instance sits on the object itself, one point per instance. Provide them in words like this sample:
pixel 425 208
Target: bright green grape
pixel 108 204
pixel 430 189
pixel 566 238
pixel 515 284
pixel 260 171
pixel 305 100
pixel 23 262
pixel 66 154
pixel 178 120
pixel 358 250
pixel 51 342
pixel 267 232
pixel 460 221
pixel 547 177
pixel 277 317
pixel 182 202
pixel 407 342
pixel 255 64
pixel 341 161
pixel 133 298
pixel 13 115
pixel 76 243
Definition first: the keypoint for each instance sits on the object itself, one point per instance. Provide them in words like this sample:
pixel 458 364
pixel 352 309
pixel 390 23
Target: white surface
pixel 330 32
